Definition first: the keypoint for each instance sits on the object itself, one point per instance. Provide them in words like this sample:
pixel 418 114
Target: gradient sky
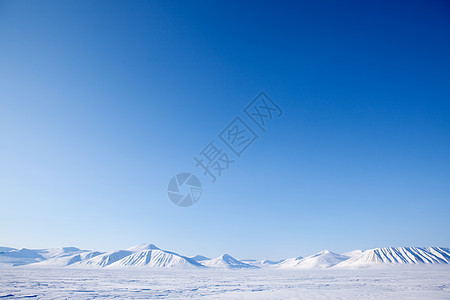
pixel 102 102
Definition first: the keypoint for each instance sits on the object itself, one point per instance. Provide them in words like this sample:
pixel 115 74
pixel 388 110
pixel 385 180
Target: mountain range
pixel 150 256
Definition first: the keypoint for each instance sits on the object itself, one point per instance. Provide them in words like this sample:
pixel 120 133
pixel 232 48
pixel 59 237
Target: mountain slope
pixel 321 260
pixel 398 255
pixel 104 259
pixel 226 262
pixel 108 258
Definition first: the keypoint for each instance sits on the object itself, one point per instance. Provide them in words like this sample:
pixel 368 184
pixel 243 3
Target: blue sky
pixel 102 102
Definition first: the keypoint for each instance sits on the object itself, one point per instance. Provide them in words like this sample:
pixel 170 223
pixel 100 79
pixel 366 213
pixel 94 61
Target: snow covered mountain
pixel 226 261
pixel 321 260
pixel 139 256
pixel 398 255
pixel 156 258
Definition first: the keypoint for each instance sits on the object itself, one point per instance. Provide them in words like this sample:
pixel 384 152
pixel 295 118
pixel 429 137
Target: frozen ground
pixel 412 282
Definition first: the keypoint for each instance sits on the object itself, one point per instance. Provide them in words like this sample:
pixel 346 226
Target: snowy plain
pixel 400 282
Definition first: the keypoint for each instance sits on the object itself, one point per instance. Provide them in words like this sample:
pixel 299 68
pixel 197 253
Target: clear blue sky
pixel 102 102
